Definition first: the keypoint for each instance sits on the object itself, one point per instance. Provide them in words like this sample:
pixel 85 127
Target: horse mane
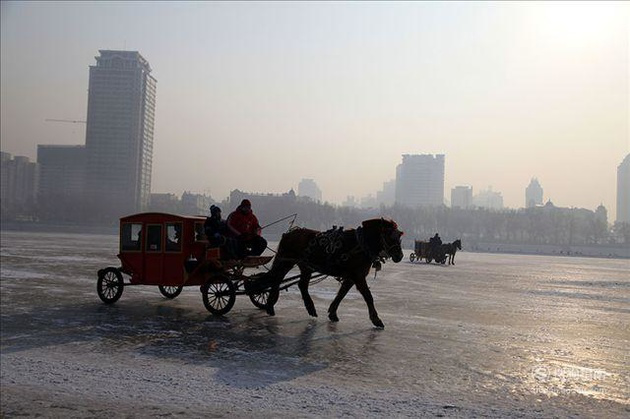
pixel 380 221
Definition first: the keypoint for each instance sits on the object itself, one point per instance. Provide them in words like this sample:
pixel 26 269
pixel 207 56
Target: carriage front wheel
pixel 170 291
pixel 412 257
pixel 260 300
pixel 109 285
pixel 219 295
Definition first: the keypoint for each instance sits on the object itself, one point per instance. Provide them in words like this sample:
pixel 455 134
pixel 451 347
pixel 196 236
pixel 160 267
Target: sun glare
pixel 579 24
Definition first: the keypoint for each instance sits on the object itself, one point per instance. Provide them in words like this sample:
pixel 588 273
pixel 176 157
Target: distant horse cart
pixel 440 254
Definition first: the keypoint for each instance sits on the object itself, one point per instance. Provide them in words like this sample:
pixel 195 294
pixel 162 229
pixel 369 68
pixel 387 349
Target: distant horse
pixel 344 254
pixel 450 249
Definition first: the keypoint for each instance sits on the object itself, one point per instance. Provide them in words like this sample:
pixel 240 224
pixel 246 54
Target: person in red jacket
pixel 244 226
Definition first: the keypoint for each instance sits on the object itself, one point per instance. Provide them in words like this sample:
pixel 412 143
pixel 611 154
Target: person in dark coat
pixel 217 233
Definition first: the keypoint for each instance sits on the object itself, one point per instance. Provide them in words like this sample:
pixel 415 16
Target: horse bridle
pixel 386 247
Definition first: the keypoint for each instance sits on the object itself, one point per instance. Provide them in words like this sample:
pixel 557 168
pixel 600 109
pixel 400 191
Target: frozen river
pixel 493 335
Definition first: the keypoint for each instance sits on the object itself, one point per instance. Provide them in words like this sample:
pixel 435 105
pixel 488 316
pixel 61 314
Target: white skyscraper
pixel 119 135
pixel 420 180
pixel 533 194
pixel 623 191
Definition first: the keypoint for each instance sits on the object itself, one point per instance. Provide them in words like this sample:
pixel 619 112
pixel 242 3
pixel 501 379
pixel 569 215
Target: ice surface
pixel 493 335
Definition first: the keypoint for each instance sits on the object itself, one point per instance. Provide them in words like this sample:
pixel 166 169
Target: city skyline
pixel 507 91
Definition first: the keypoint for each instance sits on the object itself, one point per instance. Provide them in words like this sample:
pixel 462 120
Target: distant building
pixel 488 199
pixel 350 202
pixel 308 188
pixel 533 194
pixel 462 197
pixel 420 180
pixel 195 204
pixel 19 184
pixel 259 199
pixel 368 201
pixel 623 191
pixel 165 202
pixel 62 171
pixel 387 196
pixel 601 214
pixel 119 134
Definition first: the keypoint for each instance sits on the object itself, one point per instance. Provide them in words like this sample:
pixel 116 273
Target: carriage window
pixel 154 238
pixel 174 237
pixel 199 233
pixel 130 237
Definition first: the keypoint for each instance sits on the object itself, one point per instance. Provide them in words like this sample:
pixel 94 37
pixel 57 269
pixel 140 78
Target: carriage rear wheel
pixel 412 257
pixel 219 295
pixel 109 285
pixel 170 291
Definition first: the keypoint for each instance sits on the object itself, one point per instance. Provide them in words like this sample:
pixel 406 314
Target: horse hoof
pixel 333 317
pixel 313 314
pixel 378 323
pixel 271 311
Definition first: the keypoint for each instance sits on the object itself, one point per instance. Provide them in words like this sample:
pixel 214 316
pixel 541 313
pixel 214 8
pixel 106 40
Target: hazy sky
pixel 257 96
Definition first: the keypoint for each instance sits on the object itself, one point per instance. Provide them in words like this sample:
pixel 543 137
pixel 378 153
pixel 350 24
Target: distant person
pixel 244 226
pixel 216 231
pixel 435 241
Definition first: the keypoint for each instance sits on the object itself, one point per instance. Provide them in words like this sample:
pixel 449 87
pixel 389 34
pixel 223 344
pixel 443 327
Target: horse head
pixel 458 244
pixel 385 237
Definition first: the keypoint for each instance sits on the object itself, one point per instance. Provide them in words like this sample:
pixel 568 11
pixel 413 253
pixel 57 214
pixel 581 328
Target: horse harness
pixel 338 246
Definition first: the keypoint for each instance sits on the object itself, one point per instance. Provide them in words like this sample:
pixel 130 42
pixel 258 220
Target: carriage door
pixel 173 260
pixel 153 254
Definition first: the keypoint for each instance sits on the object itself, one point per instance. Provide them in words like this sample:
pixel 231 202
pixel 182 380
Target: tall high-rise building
pixel 119 134
pixel 462 197
pixel 533 194
pixel 623 191
pixel 420 180
pixel 308 187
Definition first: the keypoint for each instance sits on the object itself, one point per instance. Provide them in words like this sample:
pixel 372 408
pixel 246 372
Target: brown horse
pixel 344 254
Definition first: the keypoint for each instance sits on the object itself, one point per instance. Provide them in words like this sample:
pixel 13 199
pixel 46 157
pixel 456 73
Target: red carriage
pixel 171 252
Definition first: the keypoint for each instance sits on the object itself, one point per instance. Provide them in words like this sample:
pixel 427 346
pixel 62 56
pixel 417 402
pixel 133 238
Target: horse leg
pixel 305 278
pixel 343 290
pixel 276 274
pixel 367 296
pixel 274 294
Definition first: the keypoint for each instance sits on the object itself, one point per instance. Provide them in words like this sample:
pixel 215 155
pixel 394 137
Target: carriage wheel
pixel 260 300
pixel 412 257
pixel 218 295
pixel 428 260
pixel 170 291
pixel 109 285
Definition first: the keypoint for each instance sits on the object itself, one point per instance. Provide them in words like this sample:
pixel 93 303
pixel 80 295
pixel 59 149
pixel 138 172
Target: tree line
pixel 538 225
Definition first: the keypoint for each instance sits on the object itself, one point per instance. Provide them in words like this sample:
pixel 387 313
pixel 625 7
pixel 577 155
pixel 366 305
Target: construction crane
pixel 66 120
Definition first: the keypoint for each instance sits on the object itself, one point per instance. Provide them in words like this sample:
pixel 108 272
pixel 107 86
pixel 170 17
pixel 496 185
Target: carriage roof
pixel 159 217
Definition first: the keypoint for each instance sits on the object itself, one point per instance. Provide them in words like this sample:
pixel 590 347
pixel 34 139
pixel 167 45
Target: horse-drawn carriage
pixel 171 252
pixel 428 252
pixel 438 252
